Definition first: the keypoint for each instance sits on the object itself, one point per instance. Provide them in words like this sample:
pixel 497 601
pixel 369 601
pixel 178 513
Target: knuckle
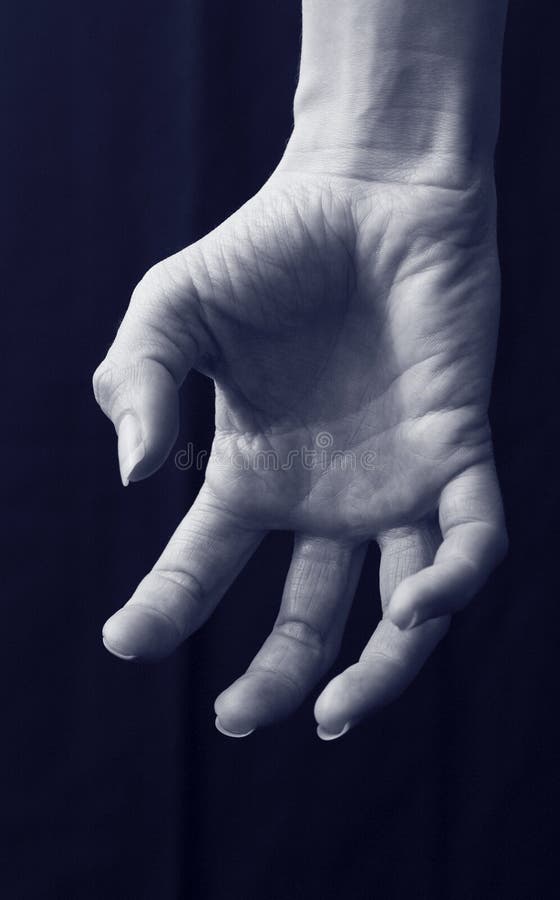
pixel 187 594
pixel 305 634
pixel 112 385
pixel 152 291
pixel 115 385
pixel 165 307
pixel 167 283
pixel 294 688
pixel 148 284
pixel 104 383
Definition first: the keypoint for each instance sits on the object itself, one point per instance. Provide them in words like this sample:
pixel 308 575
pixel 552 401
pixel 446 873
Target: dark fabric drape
pixel 129 130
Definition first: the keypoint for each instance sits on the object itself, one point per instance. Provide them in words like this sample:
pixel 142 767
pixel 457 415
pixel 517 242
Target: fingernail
pixel 116 652
pixel 233 734
pixel 329 735
pixel 131 446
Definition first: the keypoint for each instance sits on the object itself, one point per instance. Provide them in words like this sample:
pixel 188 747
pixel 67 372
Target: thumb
pixel 159 340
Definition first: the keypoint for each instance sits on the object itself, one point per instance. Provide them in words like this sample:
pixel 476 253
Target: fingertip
pixel 236 715
pixel 141 399
pixel 325 735
pixel 157 412
pixel 115 652
pixel 135 632
pixel 233 734
pixel 331 711
pixel 131 448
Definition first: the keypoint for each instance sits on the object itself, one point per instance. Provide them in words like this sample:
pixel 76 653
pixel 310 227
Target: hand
pixel 353 321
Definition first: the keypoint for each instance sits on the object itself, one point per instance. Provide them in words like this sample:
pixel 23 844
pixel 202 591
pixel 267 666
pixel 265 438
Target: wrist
pixel 391 89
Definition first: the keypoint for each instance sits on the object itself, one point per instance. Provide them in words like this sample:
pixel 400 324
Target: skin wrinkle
pixel 303 633
pixel 312 488
pixel 261 429
pixel 185 580
pixel 358 171
pixel 157 612
pixel 279 674
pixel 362 305
pixel 110 378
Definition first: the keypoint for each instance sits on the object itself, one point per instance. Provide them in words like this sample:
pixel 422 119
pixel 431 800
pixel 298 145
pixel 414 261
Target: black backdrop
pixel 129 130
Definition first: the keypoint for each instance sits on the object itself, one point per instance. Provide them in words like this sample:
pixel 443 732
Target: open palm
pixel 350 330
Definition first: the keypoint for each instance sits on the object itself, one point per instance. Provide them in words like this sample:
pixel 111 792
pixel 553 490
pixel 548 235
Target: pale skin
pixel 357 300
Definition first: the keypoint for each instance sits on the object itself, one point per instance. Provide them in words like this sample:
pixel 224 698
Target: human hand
pixel 340 316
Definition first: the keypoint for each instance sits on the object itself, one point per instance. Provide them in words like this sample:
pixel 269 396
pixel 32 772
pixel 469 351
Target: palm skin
pixel 334 315
pixel 368 314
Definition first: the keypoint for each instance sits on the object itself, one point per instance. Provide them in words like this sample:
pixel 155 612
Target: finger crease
pixel 303 633
pixel 279 674
pixel 158 612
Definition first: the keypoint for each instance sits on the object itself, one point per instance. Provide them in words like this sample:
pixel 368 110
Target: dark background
pixel 128 131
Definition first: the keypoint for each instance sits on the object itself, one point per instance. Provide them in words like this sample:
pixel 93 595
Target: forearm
pixel 399 86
